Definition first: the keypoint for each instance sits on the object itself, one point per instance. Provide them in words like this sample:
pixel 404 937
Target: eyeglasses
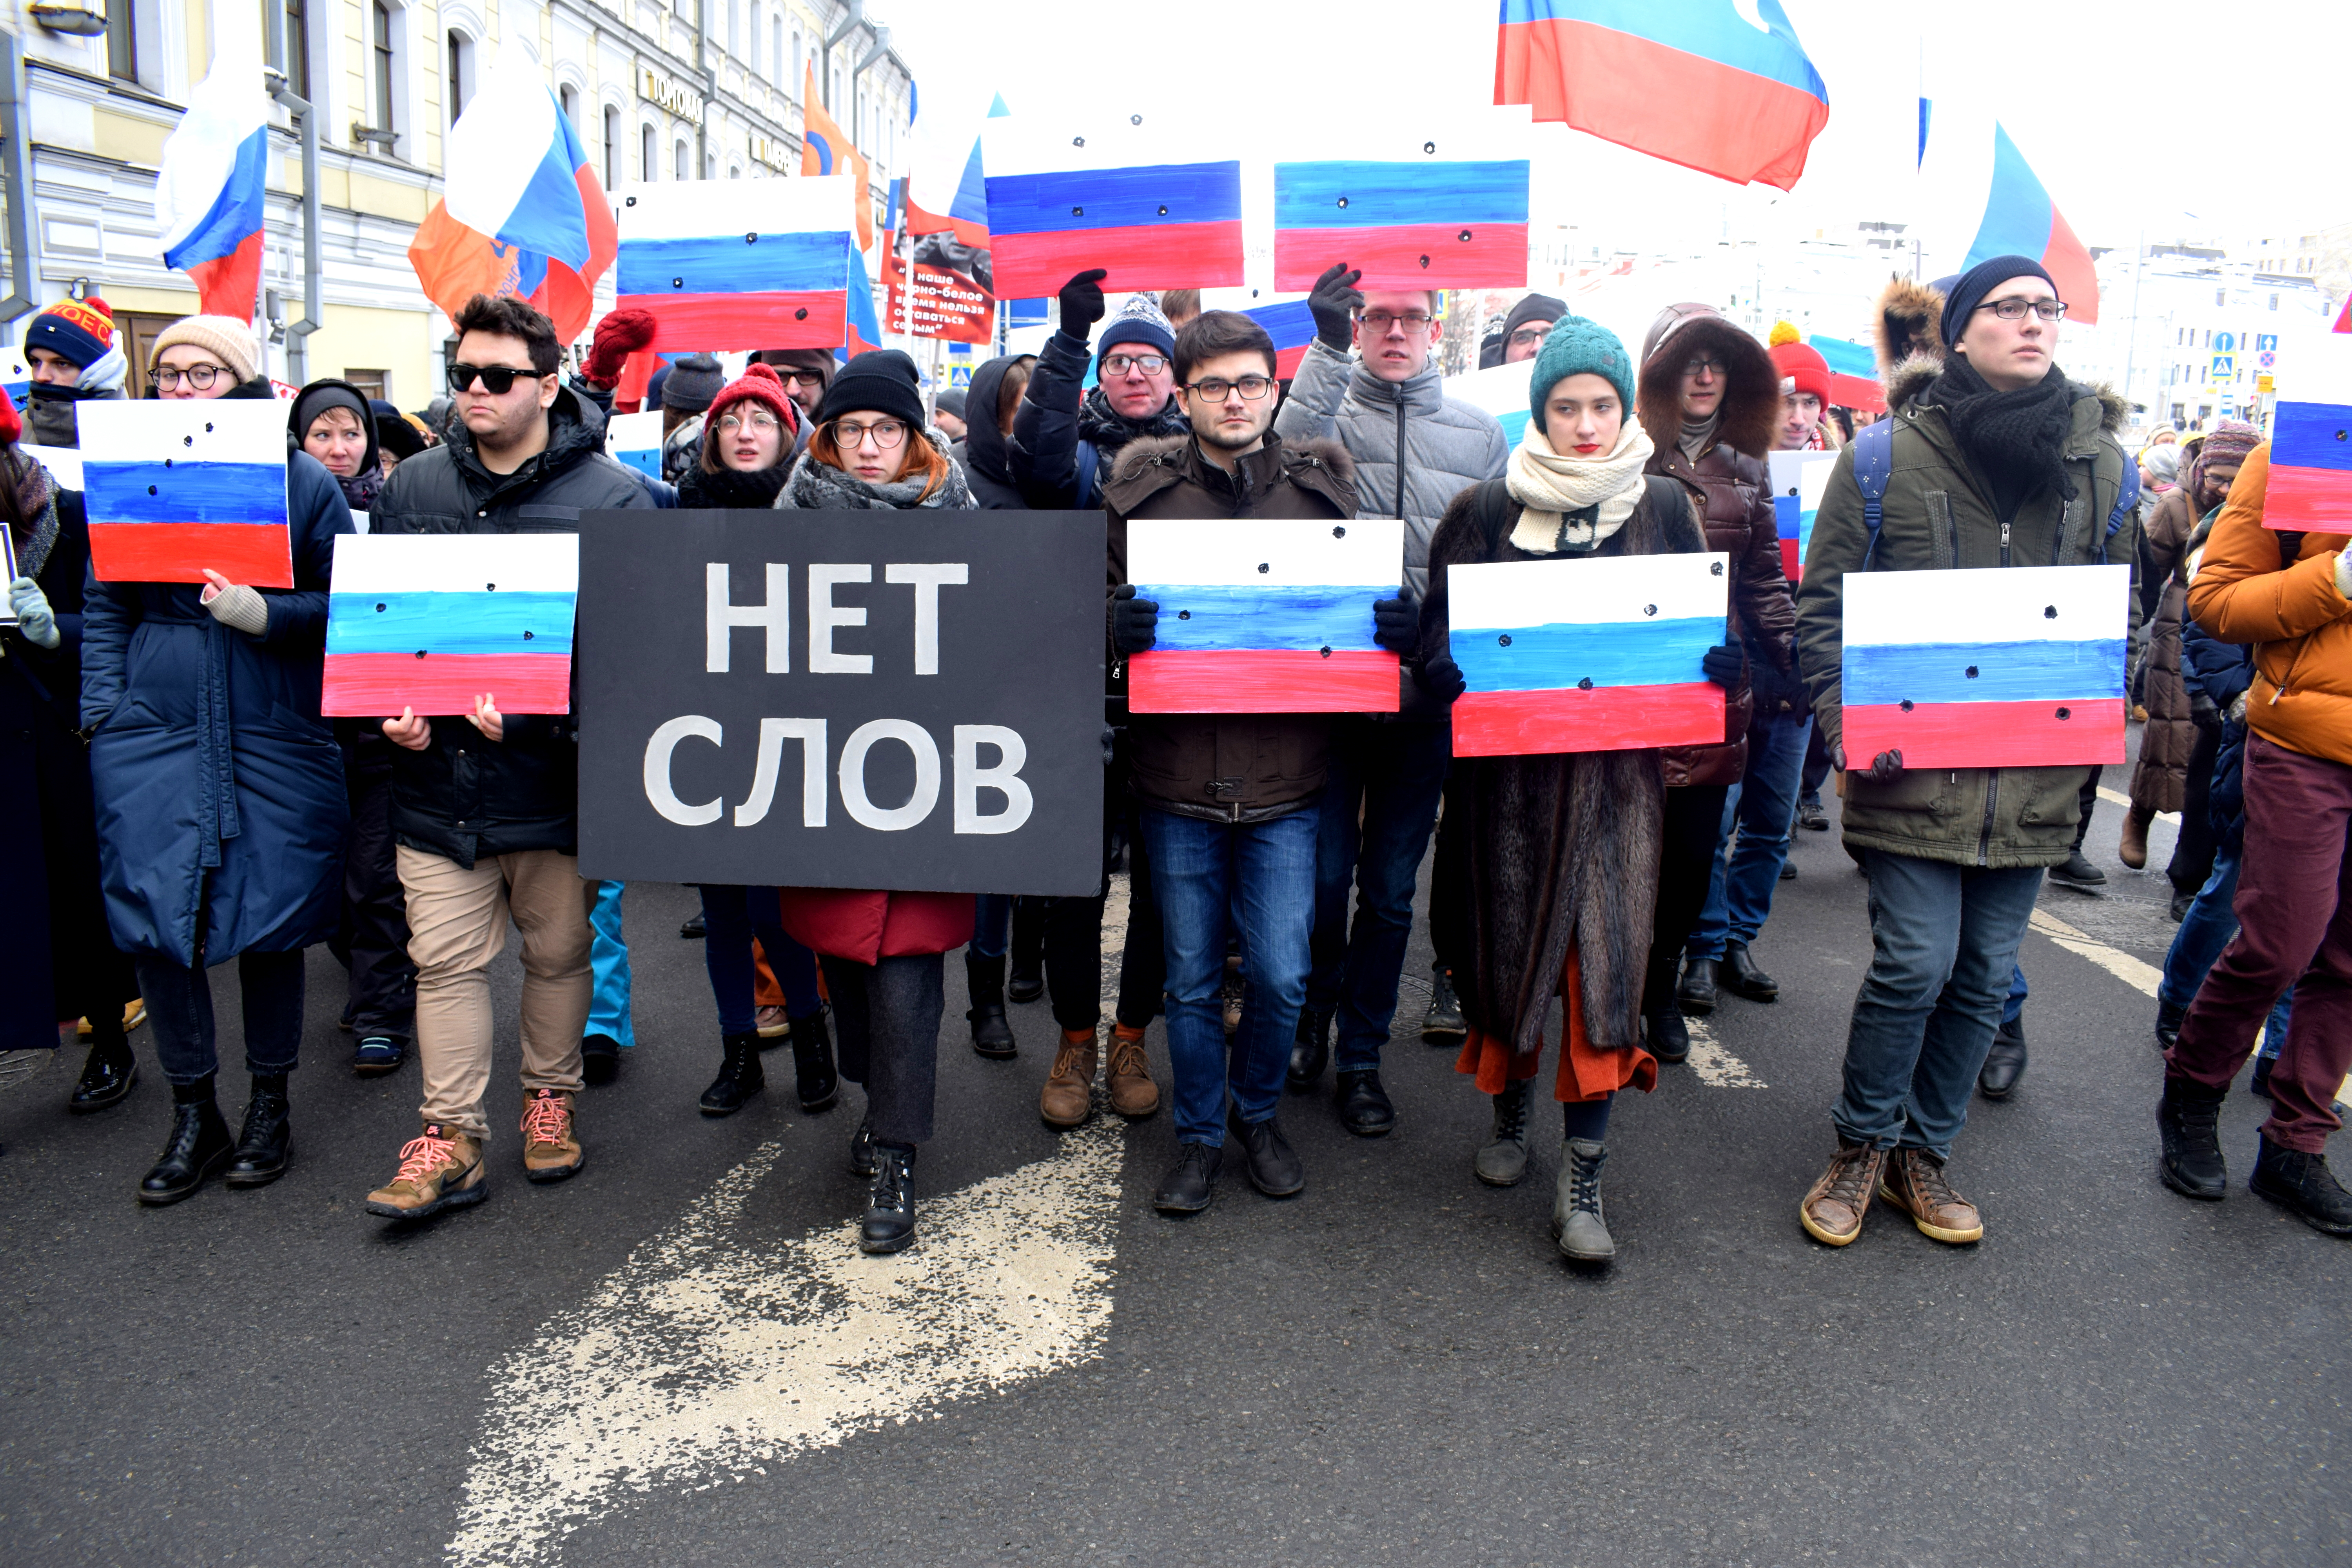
pixel 886 433
pixel 1527 336
pixel 2013 310
pixel 1381 321
pixel 1708 366
pixel 497 380
pixel 1120 364
pixel 200 376
pixel 802 378
pixel 1216 389
pixel 728 423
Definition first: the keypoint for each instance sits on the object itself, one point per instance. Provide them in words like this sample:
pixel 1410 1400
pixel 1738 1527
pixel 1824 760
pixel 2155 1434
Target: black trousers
pixel 1817 766
pixel 1685 867
pixel 180 1007
pixel 372 940
pixel 885 1020
pixel 2086 800
pixel 2193 850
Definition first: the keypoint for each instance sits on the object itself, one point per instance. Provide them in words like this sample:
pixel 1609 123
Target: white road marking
pixel 1716 1067
pixel 2141 977
pixel 2119 798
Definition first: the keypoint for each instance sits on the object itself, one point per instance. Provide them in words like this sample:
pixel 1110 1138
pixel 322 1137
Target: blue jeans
pixel 1764 805
pixel 1389 775
pixel 608 966
pixel 991 925
pixel 1207 874
pixel 1946 940
pixel 2205 930
pixel 731 917
pixel 2012 1006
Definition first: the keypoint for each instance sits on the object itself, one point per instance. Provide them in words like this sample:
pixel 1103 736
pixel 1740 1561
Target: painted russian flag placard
pixel 1070 192
pixel 1292 327
pixel 1798 479
pixel 433 621
pixel 1265 615
pixel 1853 374
pixel 2310 486
pixel 175 487
pixel 1502 391
pixel 768 268
pixel 636 439
pixel 1983 199
pixel 2019 666
pixel 1587 656
pixel 1431 223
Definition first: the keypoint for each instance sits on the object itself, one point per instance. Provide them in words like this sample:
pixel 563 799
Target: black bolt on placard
pixel 1649 609
pixel 1262 567
pixel 1585 684
pixel 1340 532
pixel 1972 672
pixel 1906 705
pixel 2049 612
pixel 2065 712
pixel 1505 640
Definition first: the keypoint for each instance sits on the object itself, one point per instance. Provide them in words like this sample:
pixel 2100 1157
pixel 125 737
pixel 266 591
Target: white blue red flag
pixel 1799 480
pixel 214 179
pixel 1291 325
pixel 1444 210
pixel 1979 198
pixel 945 187
pixel 2310 485
pixel 175 488
pixel 1126 192
pixel 431 622
pixel 768 268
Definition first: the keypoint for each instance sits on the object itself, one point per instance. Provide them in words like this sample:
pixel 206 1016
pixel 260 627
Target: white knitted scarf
pixel 1571 502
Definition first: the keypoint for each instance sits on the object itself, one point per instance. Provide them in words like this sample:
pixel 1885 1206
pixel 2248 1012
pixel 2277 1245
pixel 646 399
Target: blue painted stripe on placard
pixel 1609 653
pixel 2312 435
pixel 1063 201
pixel 647 460
pixel 1206 618
pixel 1379 195
pixel 1290 324
pixel 449 623
pixel 1922 673
pixel 1514 425
pixel 1717 32
pixel 183 492
pixel 1789 518
pixel 728 264
pixel 1845 358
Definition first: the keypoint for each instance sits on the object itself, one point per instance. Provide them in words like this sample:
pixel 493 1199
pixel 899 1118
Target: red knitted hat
pixel 1802 369
pixel 11 426
pixel 760 384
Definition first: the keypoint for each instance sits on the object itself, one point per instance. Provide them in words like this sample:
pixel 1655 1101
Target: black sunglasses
pixel 497 380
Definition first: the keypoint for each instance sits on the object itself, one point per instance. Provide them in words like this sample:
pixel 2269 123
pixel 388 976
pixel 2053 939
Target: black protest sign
pixel 893 700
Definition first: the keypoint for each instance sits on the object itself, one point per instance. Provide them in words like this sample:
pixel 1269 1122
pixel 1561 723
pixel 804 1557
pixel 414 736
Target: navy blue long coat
pixel 219 788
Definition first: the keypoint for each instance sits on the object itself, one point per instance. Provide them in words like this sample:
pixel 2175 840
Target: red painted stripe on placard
pixel 1792 563
pixel 255 553
pixel 378 685
pixel 2310 500
pixel 1164 255
pixel 1494 256
pixel 1987 734
pixel 1606 719
pixel 716 323
pixel 1285 681
pixel 1285 362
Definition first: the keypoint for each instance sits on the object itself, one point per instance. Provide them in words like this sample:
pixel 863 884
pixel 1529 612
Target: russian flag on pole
pixel 173 488
pixel 1265 615
pixel 1983 200
pixel 433 621
pixel 210 191
pixel 522 213
pixel 945 186
pixel 863 332
pixel 1502 391
pixel 1446 217
pixel 1798 479
pixel 768 268
pixel 1586 656
pixel 1071 192
pixel 1291 325
pixel 2310 485
pixel 2019 666
pixel 1719 85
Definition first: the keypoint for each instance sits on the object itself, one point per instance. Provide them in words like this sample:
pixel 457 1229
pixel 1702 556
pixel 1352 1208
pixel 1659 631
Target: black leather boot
pixel 819 1084
pixel 739 1075
pixel 2302 1185
pixel 1310 1049
pixel 889 1222
pixel 1697 992
pixel 2188 1120
pixel 2005 1063
pixel 2168 1019
pixel 1364 1106
pixel 106 1075
pixel 1445 1025
pixel 991 1036
pixel 1028 951
pixel 266 1144
pixel 861 1150
pixel 1665 1034
pixel 1274 1169
pixel 1737 974
pixel 194 1151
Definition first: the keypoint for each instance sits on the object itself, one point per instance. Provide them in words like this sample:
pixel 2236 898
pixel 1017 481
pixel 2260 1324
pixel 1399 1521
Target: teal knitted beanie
pixel 1577 346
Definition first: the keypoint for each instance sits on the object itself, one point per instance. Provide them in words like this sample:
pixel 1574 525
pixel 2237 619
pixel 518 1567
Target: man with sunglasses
pixel 486 806
pixel 1415 450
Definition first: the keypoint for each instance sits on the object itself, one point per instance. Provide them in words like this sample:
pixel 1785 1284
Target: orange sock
pixel 1078 1036
pixel 1126 1032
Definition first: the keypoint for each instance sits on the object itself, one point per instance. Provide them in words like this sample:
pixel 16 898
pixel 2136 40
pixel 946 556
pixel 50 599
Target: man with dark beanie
pixel 805 372
pixel 686 394
pixel 75 356
pixel 1523 333
pixel 1997 460
pixel 1066 434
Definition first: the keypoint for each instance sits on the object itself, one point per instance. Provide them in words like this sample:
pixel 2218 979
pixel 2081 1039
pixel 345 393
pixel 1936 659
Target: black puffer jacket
pixel 465 796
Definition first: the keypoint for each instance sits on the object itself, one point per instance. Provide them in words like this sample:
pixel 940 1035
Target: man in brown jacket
pixel 1229 800
pixel 2290 595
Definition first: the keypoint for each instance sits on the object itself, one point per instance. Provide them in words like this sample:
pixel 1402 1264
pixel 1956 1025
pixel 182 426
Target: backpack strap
pixel 1873 465
pixel 1090 466
pixel 2126 502
pixel 1670 503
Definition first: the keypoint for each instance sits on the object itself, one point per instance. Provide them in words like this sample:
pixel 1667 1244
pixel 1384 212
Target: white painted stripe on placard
pixel 824 204
pixel 1365 552
pixel 632 433
pixel 1806 472
pixel 455 563
pixel 1499 389
pixel 1063 137
pixel 183 430
pixel 1619 588
pixel 1988 605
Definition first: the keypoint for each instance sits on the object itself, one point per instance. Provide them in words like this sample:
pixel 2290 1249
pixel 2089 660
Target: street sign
pixel 2266 360
pixel 2223 343
pixel 2265 384
pixel 2223 369
pixel 2265 342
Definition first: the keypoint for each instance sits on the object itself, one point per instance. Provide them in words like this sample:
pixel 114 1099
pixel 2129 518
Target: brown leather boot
pixel 1132 1092
pixel 1914 1183
pixel 1065 1099
pixel 2131 845
pixel 1838 1200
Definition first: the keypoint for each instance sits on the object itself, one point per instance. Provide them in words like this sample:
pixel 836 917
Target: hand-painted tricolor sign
pixel 1798 480
pixel 1265 615
pixel 1066 194
pixel 1989 668
pixel 1292 328
pixel 1502 391
pixel 175 488
pixel 1450 224
pixel 2310 486
pixel 433 621
pixel 636 439
pixel 1586 656
pixel 775 275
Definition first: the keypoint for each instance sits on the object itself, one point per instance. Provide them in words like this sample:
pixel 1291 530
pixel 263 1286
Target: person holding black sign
pixel 882 952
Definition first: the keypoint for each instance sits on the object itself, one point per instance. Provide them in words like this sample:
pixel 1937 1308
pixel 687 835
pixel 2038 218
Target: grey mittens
pixel 242 608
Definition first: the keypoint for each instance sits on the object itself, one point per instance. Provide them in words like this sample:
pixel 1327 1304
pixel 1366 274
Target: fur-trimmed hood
pixel 1910 323
pixel 1151 449
pixel 1751 394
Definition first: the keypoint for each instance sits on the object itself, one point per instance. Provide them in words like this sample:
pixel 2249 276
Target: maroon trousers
pixel 2294 928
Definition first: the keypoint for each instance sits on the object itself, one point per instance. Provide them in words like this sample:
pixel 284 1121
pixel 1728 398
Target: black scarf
pixel 731 488
pixel 2017 441
pixel 1107 430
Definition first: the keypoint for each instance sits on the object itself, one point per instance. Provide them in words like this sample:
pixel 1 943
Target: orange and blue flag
pixel 826 149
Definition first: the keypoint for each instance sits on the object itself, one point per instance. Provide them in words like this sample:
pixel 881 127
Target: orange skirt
pixel 1586 1071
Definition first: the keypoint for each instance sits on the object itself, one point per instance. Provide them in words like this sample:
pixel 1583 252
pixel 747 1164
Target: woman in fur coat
pixel 1547 864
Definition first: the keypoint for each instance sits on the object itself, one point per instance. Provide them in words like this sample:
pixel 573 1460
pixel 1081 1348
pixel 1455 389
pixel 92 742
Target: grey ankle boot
pixel 1503 1162
pixel 1577 1221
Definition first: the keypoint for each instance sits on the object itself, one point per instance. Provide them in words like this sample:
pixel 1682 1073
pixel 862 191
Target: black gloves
pixel 1396 622
pixel 1723 666
pixel 1334 302
pixel 1441 679
pixel 1082 303
pixel 1883 767
pixel 1134 623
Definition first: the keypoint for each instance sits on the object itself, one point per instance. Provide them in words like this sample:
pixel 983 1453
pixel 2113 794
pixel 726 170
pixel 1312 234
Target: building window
pixel 386 75
pixel 735 27
pixel 776 52
pixel 612 148
pixel 371 383
pixel 296 64
pixel 2221 296
pixel 461 74
pixel 645 155
pixel 679 163
pixel 122 41
pixel 2274 301
pixel 734 171
pixel 568 97
pixel 789 77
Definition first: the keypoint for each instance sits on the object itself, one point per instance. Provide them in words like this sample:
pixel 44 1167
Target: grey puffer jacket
pixel 1447 445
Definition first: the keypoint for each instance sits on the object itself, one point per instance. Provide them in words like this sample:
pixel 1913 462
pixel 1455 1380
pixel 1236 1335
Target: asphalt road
pixel 677 1358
